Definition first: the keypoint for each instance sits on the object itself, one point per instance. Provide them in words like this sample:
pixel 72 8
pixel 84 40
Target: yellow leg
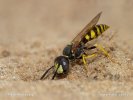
pixel 87 56
pixel 104 51
pixel 84 60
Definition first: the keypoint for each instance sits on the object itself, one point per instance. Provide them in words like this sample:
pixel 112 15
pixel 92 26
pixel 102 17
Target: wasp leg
pixel 90 48
pixel 102 49
pixel 87 56
pixel 104 52
pixel 84 57
pixel 98 47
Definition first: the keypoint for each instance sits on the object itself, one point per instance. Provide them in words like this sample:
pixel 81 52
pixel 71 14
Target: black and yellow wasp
pixel 76 50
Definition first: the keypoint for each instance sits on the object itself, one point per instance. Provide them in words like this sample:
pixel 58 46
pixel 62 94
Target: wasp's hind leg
pixel 99 47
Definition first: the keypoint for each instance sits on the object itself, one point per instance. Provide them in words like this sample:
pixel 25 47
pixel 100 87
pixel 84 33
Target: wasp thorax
pixel 68 51
pixel 61 65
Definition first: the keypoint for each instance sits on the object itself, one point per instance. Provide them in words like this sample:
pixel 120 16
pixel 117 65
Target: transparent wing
pixel 85 30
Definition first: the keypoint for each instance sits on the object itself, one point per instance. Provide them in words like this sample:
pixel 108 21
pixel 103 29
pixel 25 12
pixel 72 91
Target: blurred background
pixel 63 19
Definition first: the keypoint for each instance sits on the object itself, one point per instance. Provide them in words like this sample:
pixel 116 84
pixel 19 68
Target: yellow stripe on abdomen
pixel 92 34
pixel 102 28
pixel 98 30
pixel 87 37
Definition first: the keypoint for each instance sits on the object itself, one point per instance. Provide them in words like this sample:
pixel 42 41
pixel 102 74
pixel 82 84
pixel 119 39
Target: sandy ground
pixel 33 33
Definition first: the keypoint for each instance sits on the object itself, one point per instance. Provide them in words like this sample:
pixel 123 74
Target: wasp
pixel 76 50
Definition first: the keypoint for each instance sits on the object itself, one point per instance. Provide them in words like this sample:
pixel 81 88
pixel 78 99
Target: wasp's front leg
pixel 84 57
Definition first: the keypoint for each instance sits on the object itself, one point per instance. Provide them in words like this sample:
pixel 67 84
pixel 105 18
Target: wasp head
pixel 61 65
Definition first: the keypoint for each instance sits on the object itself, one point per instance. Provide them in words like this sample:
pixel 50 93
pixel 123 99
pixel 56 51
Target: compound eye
pixel 64 63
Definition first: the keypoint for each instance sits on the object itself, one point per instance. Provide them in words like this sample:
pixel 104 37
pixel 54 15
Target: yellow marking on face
pixel 98 31
pixel 60 69
pixel 93 35
pixel 102 28
pixel 87 37
pixel 56 66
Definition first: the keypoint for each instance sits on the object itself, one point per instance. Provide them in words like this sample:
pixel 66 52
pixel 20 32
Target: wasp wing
pixel 85 30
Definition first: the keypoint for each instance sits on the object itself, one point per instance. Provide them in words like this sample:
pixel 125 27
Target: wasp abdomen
pixel 94 32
